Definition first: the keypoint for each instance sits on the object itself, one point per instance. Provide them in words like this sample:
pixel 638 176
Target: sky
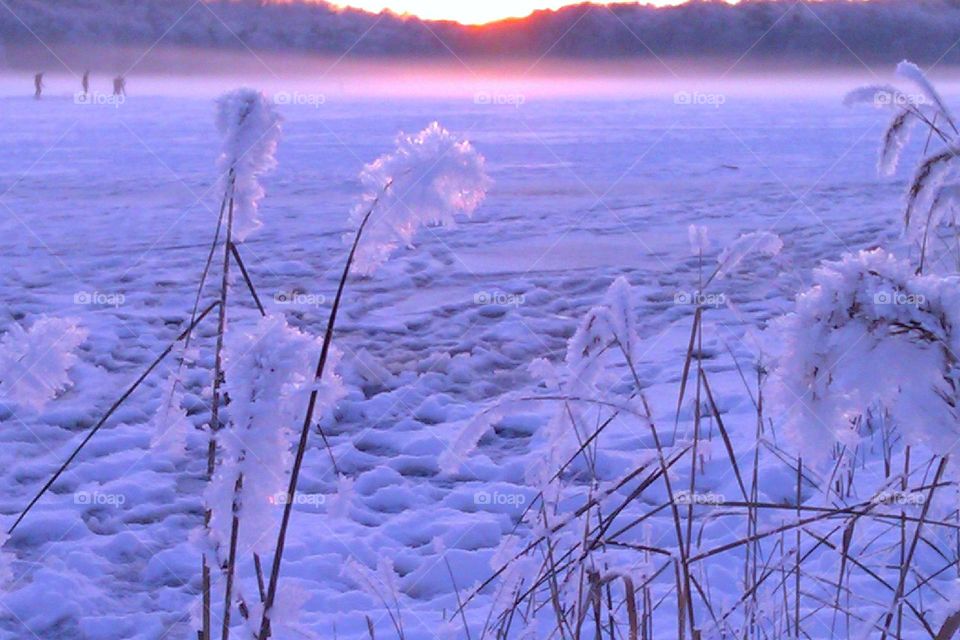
pixel 468 11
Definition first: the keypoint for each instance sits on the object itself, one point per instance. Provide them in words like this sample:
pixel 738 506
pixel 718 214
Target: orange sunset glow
pixel 469 11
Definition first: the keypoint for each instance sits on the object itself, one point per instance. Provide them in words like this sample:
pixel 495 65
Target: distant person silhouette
pixel 86 82
pixel 120 86
pixel 38 85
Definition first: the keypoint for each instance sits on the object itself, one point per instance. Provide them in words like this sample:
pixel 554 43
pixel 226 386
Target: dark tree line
pixel 881 30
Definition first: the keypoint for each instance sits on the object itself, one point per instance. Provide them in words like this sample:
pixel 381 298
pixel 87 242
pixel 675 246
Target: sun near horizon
pixel 474 12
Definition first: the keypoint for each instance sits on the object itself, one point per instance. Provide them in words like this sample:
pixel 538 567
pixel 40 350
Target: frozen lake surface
pixel 118 206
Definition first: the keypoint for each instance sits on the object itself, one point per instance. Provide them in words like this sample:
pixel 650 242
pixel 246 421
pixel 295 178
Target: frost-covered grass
pixel 263 379
pixel 837 517
pixel 596 438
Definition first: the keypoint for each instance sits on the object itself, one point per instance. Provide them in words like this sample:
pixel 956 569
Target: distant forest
pixel 831 31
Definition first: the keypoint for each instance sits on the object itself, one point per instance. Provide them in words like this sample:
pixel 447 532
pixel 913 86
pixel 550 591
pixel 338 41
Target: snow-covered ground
pixel 107 212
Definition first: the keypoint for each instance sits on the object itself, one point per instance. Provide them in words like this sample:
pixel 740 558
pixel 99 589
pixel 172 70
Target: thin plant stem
pixel 238 489
pixel 215 401
pixel 221 329
pixel 246 278
pixel 264 631
pixel 675 512
pixel 796 568
pixel 905 567
pixel 232 558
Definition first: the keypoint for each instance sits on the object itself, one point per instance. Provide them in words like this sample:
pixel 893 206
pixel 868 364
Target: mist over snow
pixel 832 31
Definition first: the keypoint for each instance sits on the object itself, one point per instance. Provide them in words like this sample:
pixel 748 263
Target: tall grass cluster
pixel 270 382
pixel 831 513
